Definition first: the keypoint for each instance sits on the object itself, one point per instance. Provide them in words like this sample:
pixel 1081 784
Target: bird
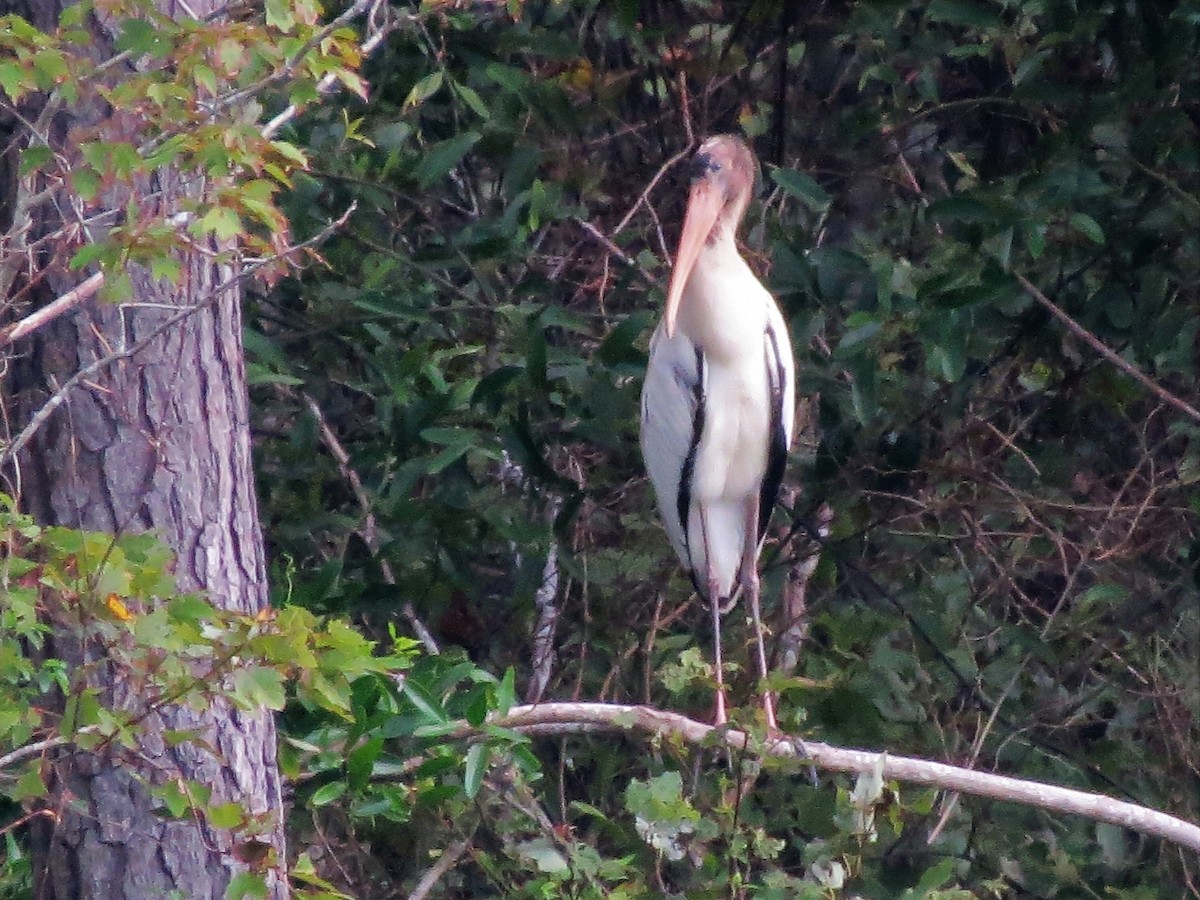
pixel 718 400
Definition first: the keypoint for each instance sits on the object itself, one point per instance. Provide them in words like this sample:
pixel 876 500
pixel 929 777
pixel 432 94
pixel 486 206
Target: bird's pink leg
pixel 714 601
pixel 749 579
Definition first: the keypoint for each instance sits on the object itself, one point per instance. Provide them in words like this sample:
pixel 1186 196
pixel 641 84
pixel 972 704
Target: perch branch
pixel 556 718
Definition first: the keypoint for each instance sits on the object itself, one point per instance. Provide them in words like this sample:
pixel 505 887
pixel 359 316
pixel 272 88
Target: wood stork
pixel 718 403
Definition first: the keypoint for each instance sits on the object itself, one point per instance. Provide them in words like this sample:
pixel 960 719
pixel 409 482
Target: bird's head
pixel 722 176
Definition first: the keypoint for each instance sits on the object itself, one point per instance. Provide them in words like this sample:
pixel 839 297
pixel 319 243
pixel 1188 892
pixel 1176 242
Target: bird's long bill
pixel 704 206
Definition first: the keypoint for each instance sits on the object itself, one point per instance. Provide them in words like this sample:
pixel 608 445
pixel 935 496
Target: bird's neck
pixel 720 310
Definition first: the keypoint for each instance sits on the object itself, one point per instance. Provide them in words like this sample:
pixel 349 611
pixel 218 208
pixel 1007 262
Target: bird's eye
pixel 702 165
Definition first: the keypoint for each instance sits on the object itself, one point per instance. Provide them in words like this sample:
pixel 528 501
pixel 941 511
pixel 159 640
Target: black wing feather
pixel 683 499
pixel 777 449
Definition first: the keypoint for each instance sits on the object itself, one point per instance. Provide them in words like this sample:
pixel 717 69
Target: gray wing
pixel 672 422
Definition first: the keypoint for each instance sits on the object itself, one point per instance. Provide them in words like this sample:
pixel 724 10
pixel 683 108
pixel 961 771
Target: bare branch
pixel 449 858
pixel 59 396
pixel 1096 344
pixel 368 532
pixel 51 310
pixel 329 82
pixel 558 718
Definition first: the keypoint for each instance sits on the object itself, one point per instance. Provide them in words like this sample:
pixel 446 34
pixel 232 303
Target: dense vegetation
pixel 960 203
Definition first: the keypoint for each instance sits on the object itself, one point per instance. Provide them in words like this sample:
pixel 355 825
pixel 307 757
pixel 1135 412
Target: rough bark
pixel 156 443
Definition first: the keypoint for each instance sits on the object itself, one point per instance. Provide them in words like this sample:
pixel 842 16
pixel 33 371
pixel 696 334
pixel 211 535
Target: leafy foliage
pixel 1010 576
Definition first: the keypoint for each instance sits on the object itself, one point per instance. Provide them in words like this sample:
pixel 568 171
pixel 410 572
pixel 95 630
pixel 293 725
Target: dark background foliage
pixel 1010 580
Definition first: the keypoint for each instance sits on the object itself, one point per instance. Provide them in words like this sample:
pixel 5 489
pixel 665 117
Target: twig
pixel 328 82
pixel 368 531
pixel 554 717
pixel 59 396
pixel 644 196
pixel 546 599
pixel 795 593
pixel 52 310
pixel 35 749
pixel 1096 344
pixel 449 858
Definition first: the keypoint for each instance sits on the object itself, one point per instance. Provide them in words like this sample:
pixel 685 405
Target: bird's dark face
pixel 726 164
pixel 722 178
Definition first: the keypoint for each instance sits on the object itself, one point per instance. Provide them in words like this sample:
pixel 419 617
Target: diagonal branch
pixel 51 310
pixel 368 532
pixel 1096 344
pixel 574 718
pixel 38 419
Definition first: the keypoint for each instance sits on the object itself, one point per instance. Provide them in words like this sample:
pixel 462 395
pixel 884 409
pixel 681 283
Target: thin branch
pixel 327 83
pixel 59 396
pixel 37 748
pixel 555 718
pixel 449 858
pixel 795 591
pixel 644 196
pixel 368 532
pixel 1096 344
pixel 51 310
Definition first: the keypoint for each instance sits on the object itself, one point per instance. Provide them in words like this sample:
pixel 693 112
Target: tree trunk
pixel 156 443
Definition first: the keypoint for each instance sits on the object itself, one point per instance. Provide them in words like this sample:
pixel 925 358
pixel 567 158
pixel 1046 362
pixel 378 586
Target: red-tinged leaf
pixel 291 152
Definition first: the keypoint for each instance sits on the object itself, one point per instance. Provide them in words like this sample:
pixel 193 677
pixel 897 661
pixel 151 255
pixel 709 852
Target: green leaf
pixel 473 100
pixel 477 764
pixel 424 89
pixel 327 793
pixel 246 884
pixel 935 877
pixel 35 157
pixel 1088 227
pixel 16 81
pixel 964 12
pixel 803 187
pixel 257 687
pixel 226 815
pixel 221 221
pixel 86 182
pixel 439 159
pixel 506 692
pixel 424 701
pixel 360 763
